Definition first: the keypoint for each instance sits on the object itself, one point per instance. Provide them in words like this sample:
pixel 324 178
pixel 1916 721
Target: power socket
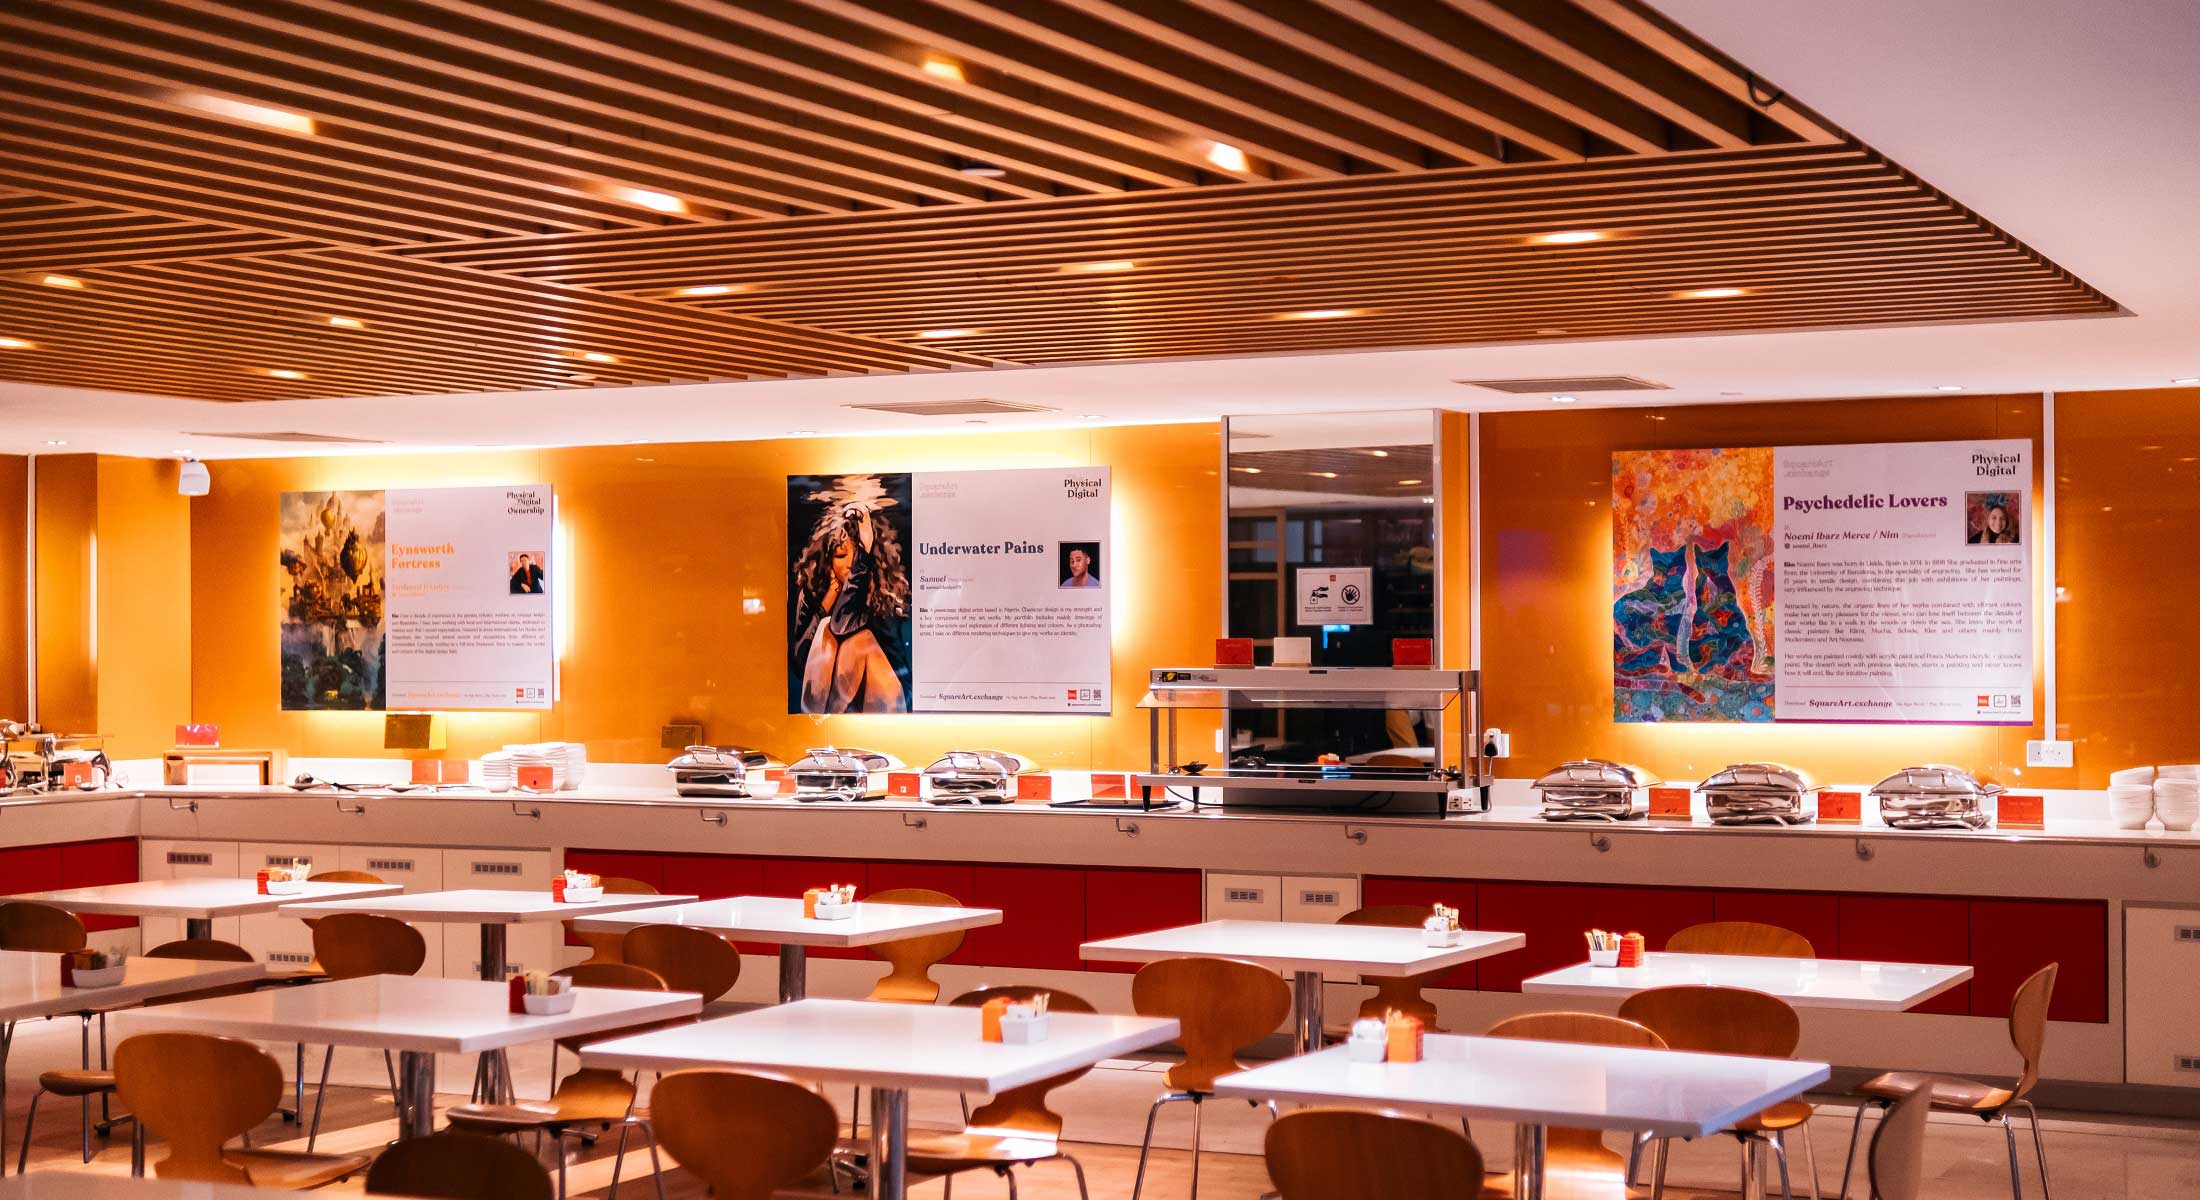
pixel 2039 753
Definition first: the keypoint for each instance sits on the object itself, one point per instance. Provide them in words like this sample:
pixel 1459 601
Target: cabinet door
pixel 2010 939
pixel 272 938
pixel 418 869
pixel 92 864
pixel 713 876
pixel 620 864
pixel 1121 901
pixel 1384 890
pixel 1042 918
pixel 527 947
pixel 186 860
pixel 1919 929
pixel 2161 1023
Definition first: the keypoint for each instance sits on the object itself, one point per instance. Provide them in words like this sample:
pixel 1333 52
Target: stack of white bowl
pixel 2131 797
pixel 2177 796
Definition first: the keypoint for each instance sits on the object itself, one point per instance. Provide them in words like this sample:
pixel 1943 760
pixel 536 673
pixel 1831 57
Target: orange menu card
pixel 1668 804
pixel 1840 808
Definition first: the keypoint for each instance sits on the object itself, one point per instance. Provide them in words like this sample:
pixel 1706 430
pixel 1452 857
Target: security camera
pixel 192 478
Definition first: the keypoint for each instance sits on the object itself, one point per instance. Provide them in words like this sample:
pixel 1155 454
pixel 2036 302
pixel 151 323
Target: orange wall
pixel 665 544
pixel 143 668
pixel 14 625
pixel 1546 591
pixel 68 515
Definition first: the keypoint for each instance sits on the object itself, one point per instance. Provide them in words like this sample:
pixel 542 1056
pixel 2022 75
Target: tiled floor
pixel 2092 1159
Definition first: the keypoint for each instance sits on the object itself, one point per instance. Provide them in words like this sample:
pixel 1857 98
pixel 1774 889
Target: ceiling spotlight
pixel 1711 293
pixel 1551 332
pixel 239 110
pixel 1100 268
pixel 939 66
pixel 802 433
pixel 1949 387
pixel 1226 156
pixel 1319 314
pixel 286 373
pixel 706 289
pixel 1247 470
pixel 347 322
pixel 941 335
pixel 8 343
pixel 1092 416
pixel 1322 474
pixel 981 170
pixel 663 202
pixel 55 442
pixel 2187 379
pixel 1409 483
pixel 1564 399
pixel 1567 237
pixel 597 356
pixel 61 281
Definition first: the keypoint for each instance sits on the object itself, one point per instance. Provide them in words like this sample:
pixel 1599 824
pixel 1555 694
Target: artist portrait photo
pixel 1080 564
pixel 527 578
pixel 1990 518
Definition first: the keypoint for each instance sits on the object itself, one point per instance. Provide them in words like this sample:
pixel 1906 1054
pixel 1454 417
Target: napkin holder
pixel 820 904
pixel 1440 936
pixel 1369 1041
pixel 1023 1025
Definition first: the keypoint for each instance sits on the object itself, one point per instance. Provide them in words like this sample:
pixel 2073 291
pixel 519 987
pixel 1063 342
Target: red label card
pixel 535 778
pixel 1668 804
pixel 76 774
pixel 1233 652
pixel 2021 812
pixel 1841 808
pixel 1111 787
pixel 201 735
pixel 1412 652
pixel 903 783
pixel 1035 787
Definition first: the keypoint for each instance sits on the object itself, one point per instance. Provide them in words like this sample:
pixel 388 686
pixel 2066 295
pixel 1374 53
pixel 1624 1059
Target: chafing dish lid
pixel 1760 777
pixel 833 758
pixel 976 765
pixel 1596 774
pixel 728 760
pixel 1934 780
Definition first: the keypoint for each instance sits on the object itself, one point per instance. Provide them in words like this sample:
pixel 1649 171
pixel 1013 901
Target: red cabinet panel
pixel 30 869
pixel 2010 939
pixel 1042 921
pixel 619 864
pixel 710 876
pixel 794 876
pixel 1920 929
pixel 1815 915
pixel 1427 893
pixel 90 864
pixel 1120 901
pixel 1555 915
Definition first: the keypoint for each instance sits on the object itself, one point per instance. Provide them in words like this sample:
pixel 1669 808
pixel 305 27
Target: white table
pixel 1305 950
pixel 417 1016
pixel 1802 982
pixel 197 901
pixel 30 989
pixel 1664 1093
pixel 74 1185
pixel 779 920
pixel 892 1048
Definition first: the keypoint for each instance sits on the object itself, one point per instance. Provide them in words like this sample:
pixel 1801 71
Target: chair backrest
pixel 1740 937
pixel 345 877
pixel 1581 1145
pixel 204 950
pixel 196 1092
pixel 2028 1024
pixel 603 946
pixel 349 945
pixel 1897 1166
pixel 688 960
pixel 1400 993
pixel 1223 1004
pixel 909 981
pixel 1717 1020
pixel 746 1135
pixel 28 926
pixel 1024 1109
pixel 459 1166
pixel 614 975
pixel 1347 1154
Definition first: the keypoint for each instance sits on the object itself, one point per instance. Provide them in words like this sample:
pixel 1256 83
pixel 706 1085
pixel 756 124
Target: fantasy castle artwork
pixel 333 600
pixel 1692 585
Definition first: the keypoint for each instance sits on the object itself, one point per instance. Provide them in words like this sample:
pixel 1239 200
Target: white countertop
pixel 1293 946
pixel 882 1045
pixel 1802 982
pixel 1667 1093
pixel 479 906
pixel 406 1012
pixel 200 899
pixel 779 920
pixel 30 983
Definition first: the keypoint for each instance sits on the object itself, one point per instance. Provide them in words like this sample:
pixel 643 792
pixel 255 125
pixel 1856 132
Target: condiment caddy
pixel 286 881
pixel 1608 949
pixel 1442 927
pixel 1015 1022
pixel 576 887
pixel 539 993
pixel 833 902
pixel 1394 1037
pixel 92 969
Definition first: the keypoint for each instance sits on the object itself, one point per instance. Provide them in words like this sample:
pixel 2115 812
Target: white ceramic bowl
pixel 2189 771
pixel 2131 812
pixel 2143 775
pixel 550 1004
pixel 103 977
pixel 574 895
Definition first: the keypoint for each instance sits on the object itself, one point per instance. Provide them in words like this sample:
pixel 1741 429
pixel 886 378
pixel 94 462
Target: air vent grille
pixel 1566 385
pixel 1238 895
pixel 952 408
pixel 496 868
pixel 295 957
pixel 2188 1062
pixel 190 858
pixel 288 435
pixel 1318 899
pixel 390 864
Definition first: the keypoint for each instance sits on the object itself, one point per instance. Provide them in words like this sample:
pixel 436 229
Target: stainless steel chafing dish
pixel 1934 796
pixel 1760 794
pixel 716 770
pixel 830 773
pixel 1591 789
pixel 974 777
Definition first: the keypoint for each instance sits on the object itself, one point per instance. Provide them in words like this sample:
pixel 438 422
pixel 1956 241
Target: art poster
pixel 958 591
pixel 427 599
pixel 1887 583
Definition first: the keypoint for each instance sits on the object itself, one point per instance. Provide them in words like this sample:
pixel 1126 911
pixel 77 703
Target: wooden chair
pixel 1396 992
pixel 619 975
pixel 312 973
pixel 1740 937
pixel 604 947
pixel 351 946
pixel 1223 1005
pixel 1897 1165
pixel 746 1135
pixel 25 925
pixel 1576 1161
pixel 1347 1154
pixel 2027 1033
pixel 198 1092
pixel 1015 1127
pixel 1725 1020
pixel 909 979
pixel 458 1166
pixel 687 960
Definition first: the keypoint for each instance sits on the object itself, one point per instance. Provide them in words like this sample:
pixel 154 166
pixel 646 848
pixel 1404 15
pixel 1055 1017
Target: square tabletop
pixel 779 920
pixel 1296 946
pixel 30 983
pixel 1668 1093
pixel 882 1045
pixel 196 899
pixel 478 906
pixel 1802 982
pixel 407 1012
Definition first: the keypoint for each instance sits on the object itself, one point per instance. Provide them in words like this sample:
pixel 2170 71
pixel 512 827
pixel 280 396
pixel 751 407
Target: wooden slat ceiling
pixel 485 192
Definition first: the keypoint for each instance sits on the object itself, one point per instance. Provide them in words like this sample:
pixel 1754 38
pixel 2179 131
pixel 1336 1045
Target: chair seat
pixel 942 1153
pixel 1960 1095
pixel 1571 1174
pixel 292 1170
pixel 1787 1114
pixel 76 1082
pixel 503 1118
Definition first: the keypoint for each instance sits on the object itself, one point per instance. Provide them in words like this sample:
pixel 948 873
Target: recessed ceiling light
pixel 1564 399
pixel 981 170
pixel 8 343
pixel 663 202
pixel 1711 293
pixel 1319 314
pixel 1247 470
pixel 286 373
pixel 1380 453
pixel 578 377
pixel 1323 474
pixel 55 442
pixel 1568 237
pixel 597 356
pixel 347 322
pixel 802 433
pixel 239 110
pixel 2187 379
pixel 1092 416
pixel 1408 482
pixel 1226 156
pixel 1551 332
pixel 939 66
pixel 1948 387
pixel 61 281
pixel 941 335
pixel 706 289
pixel 1110 267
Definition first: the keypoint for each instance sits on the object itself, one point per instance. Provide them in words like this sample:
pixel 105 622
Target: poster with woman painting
pixel 848 605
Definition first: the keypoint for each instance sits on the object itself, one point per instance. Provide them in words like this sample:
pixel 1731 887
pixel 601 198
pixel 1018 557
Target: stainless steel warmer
pixel 831 773
pixel 974 777
pixel 1760 794
pixel 1934 796
pixel 721 771
pixel 1592 789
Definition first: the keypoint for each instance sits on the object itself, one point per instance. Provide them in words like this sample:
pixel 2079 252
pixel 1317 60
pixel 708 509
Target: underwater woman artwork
pixel 847 593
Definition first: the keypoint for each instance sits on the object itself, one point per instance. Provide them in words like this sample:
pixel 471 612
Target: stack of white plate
pixel 567 761
pixel 2131 797
pixel 2177 796
pixel 496 771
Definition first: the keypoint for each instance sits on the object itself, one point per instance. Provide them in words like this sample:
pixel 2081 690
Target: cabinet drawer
pixel 1244 897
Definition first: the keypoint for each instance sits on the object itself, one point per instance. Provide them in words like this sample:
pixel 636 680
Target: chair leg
pixel 1078 1167
pixel 1856 1132
pixel 656 1168
pixel 1145 1144
pixel 1810 1157
pixel 2016 1178
pixel 1198 1110
pixel 106 1111
pixel 1010 1176
pixel 397 1094
pixel 1657 1180
pixel 1780 1152
pixel 618 1159
pixel 855 1109
pixel 86 1105
pixel 320 1097
pixel 298 1085
pixel 23 1156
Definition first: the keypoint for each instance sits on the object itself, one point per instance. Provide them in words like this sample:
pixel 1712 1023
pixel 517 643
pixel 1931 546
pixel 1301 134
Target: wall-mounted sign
pixel 1871 583
pixel 1336 595
pixel 960 591
pixel 419 598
